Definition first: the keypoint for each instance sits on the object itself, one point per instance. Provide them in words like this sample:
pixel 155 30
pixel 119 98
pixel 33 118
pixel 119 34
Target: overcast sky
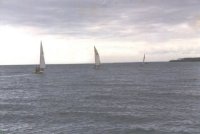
pixel 121 30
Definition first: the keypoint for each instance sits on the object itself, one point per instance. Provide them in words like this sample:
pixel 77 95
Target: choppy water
pixel 155 98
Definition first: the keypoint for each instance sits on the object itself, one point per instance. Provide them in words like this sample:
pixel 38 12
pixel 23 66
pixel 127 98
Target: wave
pixel 17 75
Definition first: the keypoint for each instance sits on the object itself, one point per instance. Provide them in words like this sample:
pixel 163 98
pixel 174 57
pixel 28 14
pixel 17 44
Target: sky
pixel 121 30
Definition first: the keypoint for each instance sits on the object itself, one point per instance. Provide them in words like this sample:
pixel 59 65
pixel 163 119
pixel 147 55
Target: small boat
pixel 97 58
pixel 40 68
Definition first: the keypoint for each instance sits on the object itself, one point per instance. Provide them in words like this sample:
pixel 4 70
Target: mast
pixel 42 61
pixel 144 58
pixel 97 57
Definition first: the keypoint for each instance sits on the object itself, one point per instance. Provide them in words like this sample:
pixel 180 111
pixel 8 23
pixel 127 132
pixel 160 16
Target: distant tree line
pixel 196 59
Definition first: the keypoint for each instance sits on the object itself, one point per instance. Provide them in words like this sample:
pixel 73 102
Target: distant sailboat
pixel 144 58
pixel 40 68
pixel 97 58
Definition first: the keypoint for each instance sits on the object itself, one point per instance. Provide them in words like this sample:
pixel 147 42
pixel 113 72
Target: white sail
pixel 144 58
pixel 97 57
pixel 42 61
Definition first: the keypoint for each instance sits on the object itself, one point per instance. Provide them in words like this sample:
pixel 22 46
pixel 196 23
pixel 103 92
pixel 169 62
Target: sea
pixel 125 98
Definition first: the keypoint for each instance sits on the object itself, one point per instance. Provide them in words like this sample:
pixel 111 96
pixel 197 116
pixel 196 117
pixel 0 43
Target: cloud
pixel 127 19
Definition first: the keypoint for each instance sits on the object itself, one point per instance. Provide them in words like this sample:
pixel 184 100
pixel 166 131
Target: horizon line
pixel 80 63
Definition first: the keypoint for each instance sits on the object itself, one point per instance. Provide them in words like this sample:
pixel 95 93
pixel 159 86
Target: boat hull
pixel 39 70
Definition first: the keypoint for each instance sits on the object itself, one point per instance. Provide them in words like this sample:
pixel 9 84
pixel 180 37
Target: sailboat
pixel 144 59
pixel 97 58
pixel 40 68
